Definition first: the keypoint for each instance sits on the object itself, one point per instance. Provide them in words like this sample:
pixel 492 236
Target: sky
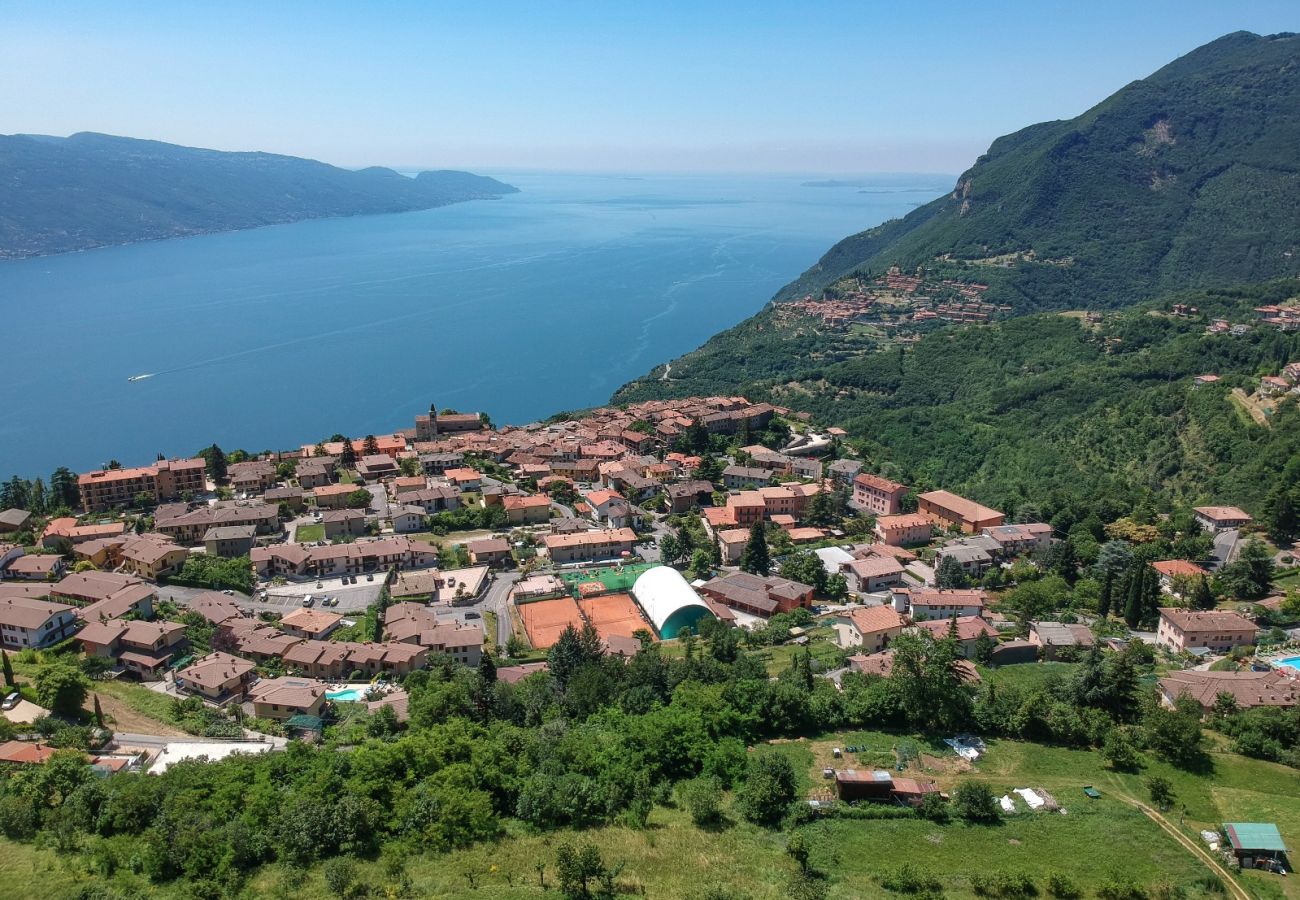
pixel 810 87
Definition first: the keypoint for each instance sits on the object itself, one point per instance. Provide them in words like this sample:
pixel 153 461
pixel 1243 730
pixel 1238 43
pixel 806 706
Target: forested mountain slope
pixel 1047 408
pixel 90 190
pixel 1187 178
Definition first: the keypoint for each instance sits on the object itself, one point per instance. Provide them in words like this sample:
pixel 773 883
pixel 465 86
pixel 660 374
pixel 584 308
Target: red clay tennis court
pixel 545 619
pixel 613 614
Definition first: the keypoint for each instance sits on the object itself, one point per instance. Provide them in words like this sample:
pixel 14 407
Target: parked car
pixel 472 615
pixel 229 593
pixel 309 600
pixel 11 700
pixel 370 577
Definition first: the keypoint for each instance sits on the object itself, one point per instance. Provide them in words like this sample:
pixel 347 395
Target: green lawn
pixel 306 533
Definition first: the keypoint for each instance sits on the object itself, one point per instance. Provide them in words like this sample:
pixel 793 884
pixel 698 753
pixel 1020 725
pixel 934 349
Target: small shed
pixel 1252 841
pixel 851 784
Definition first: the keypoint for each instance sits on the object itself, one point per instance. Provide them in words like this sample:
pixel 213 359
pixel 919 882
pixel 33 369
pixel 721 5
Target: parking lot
pixel 351 597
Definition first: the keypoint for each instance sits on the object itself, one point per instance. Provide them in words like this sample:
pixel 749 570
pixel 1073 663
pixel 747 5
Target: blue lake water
pixel 542 301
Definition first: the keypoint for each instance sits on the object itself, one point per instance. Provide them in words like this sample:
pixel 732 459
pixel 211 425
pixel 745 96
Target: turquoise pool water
pixel 348 695
pixel 1291 662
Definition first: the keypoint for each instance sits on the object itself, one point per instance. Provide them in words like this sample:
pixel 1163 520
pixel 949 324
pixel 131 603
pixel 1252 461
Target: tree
pixel 949 574
pixel 769 788
pixel 99 713
pixel 61 689
pixel 984 647
pixel 1120 751
pixel 359 499
pixel 754 559
pixel 579 869
pixel 807 568
pixel 670 549
pixel 1202 596
pixel 8 668
pixel 216 460
pixel 974 802
pixel 1161 791
pixel 370 446
pixel 1282 518
pixel 63 488
pixel 348 458
pixel 1250 577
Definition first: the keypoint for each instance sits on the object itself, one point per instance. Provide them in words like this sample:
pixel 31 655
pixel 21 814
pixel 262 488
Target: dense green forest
pixel 1038 409
pixel 1187 178
pixel 90 190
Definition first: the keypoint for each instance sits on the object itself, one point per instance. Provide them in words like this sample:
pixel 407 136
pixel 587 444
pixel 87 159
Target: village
pixel 284 594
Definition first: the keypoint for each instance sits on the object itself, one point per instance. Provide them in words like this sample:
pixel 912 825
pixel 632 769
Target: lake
pixel 542 301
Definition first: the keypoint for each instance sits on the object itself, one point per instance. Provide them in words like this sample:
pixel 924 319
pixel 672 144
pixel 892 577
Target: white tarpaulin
pixel 1028 795
pixel 1008 805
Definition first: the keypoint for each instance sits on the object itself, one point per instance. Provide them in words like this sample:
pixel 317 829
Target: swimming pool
pixel 1291 662
pixel 347 695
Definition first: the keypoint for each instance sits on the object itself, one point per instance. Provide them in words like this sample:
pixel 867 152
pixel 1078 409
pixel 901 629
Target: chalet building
pixel 969 630
pixel 1247 689
pixel 252 477
pixel 532 510
pixel 873 573
pixel 230 541
pixel 144 648
pixel 285 697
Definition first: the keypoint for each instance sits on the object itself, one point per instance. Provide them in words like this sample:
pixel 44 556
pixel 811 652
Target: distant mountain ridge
pixel 1187 178
pixel 90 190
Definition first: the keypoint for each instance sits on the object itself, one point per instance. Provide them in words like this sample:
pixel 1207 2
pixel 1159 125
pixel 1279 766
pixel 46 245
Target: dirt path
pixel 1205 856
pixel 127 719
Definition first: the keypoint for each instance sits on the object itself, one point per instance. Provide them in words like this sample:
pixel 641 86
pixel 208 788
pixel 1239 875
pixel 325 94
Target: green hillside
pixel 1188 178
pixel 1043 409
pixel 91 190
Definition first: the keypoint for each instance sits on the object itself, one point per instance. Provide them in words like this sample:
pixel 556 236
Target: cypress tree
pixel 99 713
pixel 755 559
pixel 8 669
pixel 1107 594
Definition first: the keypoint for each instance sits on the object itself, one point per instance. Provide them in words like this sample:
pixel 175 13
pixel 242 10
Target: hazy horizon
pixel 780 88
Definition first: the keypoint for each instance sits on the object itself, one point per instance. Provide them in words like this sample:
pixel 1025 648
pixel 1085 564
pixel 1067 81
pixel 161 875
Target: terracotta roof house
pixel 219 677
pixel 314 624
pixel 35 567
pixel 949 510
pixel 873 573
pixel 1247 689
pixel 13 520
pixel 527 510
pixel 868 627
pixel 589 546
pixel 216 607
pixel 758 595
pixel 1220 518
pixel 876 495
pixel 488 551
pixel 882 664
pixel 937 603
pixel 904 530
pixel 1182 630
pixel 29 622
pixel 969 630
pixel 285 697
pixel 1172 571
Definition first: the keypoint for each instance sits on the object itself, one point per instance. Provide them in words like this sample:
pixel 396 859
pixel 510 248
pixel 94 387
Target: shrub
pixel 702 798
pixel 974 802
pixel 1121 890
pixel 1003 884
pixel 1063 887
pixel 909 879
